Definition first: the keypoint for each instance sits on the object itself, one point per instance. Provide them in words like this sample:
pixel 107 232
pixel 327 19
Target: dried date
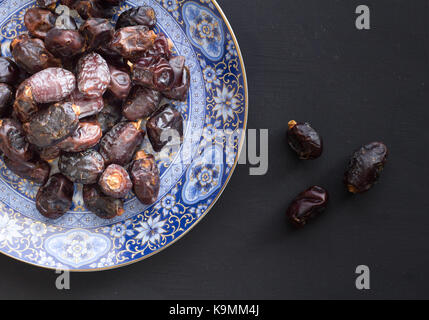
pixel 161 47
pixel 9 72
pixel 141 103
pixel 143 16
pixel 132 42
pixel 24 106
pixel 86 136
pixel 39 22
pixel 121 142
pixel 52 125
pixel 36 171
pixel 47 4
pixel 182 80
pixel 49 153
pixel 92 9
pixel 365 167
pixel 153 72
pixel 6 98
pixel 307 206
pixel 97 32
pixel 164 125
pixel 12 141
pixel 120 84
pixel 101 205
pixel 115 182
pixel 304 140
pixel 83 167
pixel 145 177
pixel 55 198
pixel 87 106
pixel 109 116
pixel 64 43
pixel 93 75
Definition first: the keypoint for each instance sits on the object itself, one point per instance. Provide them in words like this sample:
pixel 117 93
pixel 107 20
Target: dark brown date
pixel 83 167
pixel 119 144
pixel 49 153
pixel 103 206
pixel 120 84
pixel 55 198
pixel 115 182
pixel 132 42
pixel 163 126
pixel 32 55
pixel 64 43
pixel 87 106
pixel 97 32
pixel 145 177
pixel 138 16
pixel 9 72
pixel 109 116
pixel 24 106
pixel 141 103
pixel 6 98
pixel 182 80
pixel 39 22
pixel 52 125
pixel 304 140
pixel 50 85
pixel 68 3
pixel 93 75
pixel 307 206
pixel 153 72
pixel 365 167
pixel 161 48
pixel 92 9
pixel 36 171
pixel 47 4
pixel 86 136
pixel 12 141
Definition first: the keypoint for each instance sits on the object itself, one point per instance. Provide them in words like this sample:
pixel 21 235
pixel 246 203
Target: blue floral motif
pixel 204 176
pixel 204 30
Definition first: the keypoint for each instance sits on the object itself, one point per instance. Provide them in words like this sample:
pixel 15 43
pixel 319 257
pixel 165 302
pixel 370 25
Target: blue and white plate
pixel 193 176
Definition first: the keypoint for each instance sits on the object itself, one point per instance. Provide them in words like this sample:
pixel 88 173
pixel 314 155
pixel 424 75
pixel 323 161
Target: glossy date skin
pixel 55 198
pixel 132 42
pixel 141 103
pixel 49 153
pixel 304 140
pixel 103 206
pixel 307 206
pixel 39 21
pixel 163 125
pixel 119 145
pixel 83 167
pixel 6 98
pixel 143 16
pixel 87 106
pixel 115 182
pixel 64 43
pixel 86 136
pixel 145 177
pixel 109 116
pixel 182 80
pixel 32 55
pixel 93 75
pixel 120 84
pixel 92 9
pixel 9 72
pixel 365 167
pixel 97 31
pixel 36 171
pixel 13 143
pixel 153 72
pixel 52 125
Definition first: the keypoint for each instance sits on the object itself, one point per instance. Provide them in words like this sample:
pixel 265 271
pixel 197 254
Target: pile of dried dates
pixel 82 94
pixel 363 171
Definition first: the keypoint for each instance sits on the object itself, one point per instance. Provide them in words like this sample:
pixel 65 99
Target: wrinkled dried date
pixel 120 84
pixel 87 106
pixel 97 31
pixel 12 141
pixel 64 43
pixel 307 205
pixel 153 72
pixel 164 125
pixel 182 80
pixel 132 42
pixel 93 75
pixel 32 55
pixel 47 4
pixel 36 171
pixel 91 9
pixel 24 106
pixel 141 103
pixel 103 206
pixel 9 72
pixel 52 125
pixel 39 21
pixel 365 167
pixel 304 140
pixel 49 153
pixel 6 98
pixel 83 167
pixel 109 116
pixel 120 143
pixel 143 16
pixel 86 136
pixel 145 177
pixel 115 182
pixel 161 47
pixel 55 198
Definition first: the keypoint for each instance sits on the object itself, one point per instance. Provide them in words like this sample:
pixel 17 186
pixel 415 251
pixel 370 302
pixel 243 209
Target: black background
pixel 305 60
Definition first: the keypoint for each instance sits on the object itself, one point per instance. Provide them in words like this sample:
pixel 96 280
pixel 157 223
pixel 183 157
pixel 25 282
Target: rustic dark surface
pixel 305 60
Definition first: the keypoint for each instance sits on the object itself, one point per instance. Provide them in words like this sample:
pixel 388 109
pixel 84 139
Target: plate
pixel 192 176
